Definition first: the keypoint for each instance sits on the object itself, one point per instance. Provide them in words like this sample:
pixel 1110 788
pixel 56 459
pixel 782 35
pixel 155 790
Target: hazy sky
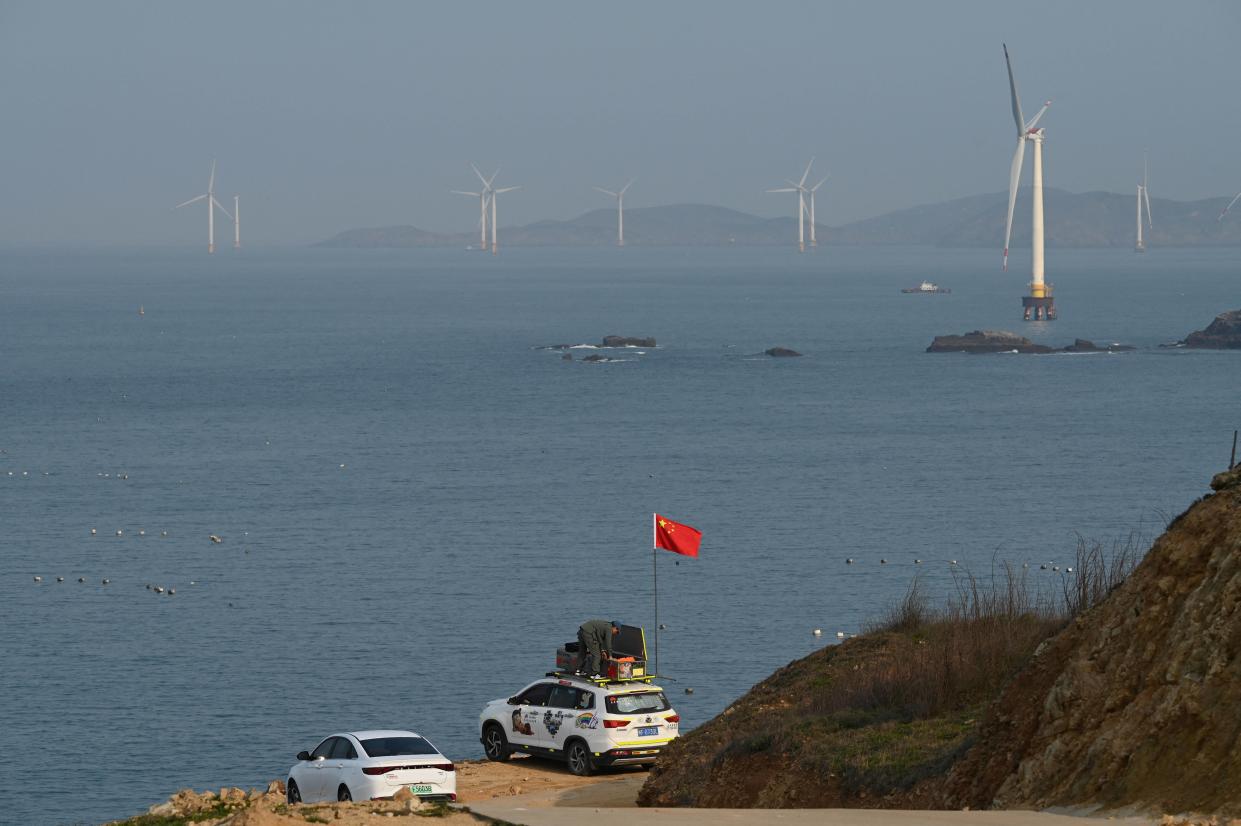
pixel 331 116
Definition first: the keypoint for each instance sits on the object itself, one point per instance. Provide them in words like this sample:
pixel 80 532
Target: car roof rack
pixel 568 675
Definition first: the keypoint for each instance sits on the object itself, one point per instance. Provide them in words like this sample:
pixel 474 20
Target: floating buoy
pixel 1042 567
pixel 917 561
pixel 118 533
pixel 163 533
pixel 81 579
pixel 342 466
pixel 148 586
pixel 142 533
pixel 92 531
pixel 663 627
pixel 689 690
pixel 840 635
pixel 952 562
pixel 217 540
pixel 171 591
pixel 1055 567
pixel 38 579
pixel 883 562
pixel 60 579
pixel 107 581
pixel 849 561
pixel 818 632
pixel 159 589
pixel 1068 570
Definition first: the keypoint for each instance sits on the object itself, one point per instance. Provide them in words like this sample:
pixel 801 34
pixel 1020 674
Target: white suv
pixel 589 724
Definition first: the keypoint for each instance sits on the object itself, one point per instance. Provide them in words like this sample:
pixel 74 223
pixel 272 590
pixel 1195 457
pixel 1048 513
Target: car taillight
pixel 615 723
pixel 673 718
pixel 379 769
pixel 444 767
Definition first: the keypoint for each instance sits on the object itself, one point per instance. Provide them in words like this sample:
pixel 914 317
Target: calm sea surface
pixel 417 506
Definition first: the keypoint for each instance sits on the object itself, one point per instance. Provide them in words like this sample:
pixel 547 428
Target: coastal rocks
pixel 628 341
pixel 986 341
pixel 1224 333
pixel 1001 341
pixel 782 352
pixel 595 358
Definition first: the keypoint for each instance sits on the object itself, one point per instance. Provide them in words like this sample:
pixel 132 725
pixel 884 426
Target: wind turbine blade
pixel 480 175
pixel 1012 85
pixel 820 183
pixel 607 191
pixel 191 201
pixel 626 186
pixel 211 183
pixel 220 207
pixel 1146 196
pixel 505 189
pixel 785 189
pixel 1230 203
pixel 494 175
pixel 805 174
pixel 1014 178
pixel 459 192
pixel 1034 121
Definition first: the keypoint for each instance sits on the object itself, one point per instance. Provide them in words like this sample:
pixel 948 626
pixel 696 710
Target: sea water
pixel 416 505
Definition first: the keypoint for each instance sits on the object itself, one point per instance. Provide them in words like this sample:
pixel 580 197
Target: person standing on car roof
pixel 594 639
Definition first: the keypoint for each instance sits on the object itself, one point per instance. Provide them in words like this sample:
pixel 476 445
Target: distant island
pixel 1087 219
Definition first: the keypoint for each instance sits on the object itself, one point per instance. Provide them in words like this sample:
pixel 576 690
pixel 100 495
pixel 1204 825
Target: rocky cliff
pixel 1224 333
pixel 1138 702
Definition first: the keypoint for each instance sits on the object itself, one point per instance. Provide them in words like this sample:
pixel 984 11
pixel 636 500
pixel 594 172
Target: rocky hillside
pixel 1138 702
pixel 1135 702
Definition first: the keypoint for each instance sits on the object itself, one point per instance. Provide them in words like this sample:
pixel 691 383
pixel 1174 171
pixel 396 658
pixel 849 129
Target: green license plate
pixel 421 788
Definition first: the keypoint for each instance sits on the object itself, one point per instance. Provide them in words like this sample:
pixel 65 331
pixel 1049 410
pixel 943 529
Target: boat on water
pixel 926 287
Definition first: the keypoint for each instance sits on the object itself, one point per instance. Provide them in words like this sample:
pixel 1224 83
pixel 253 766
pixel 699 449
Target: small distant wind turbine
pixel 212 206
pixel 800 189
pixel 1230 205
pixel 484 198
pixel 620 210
pixel 1143 197
pixel 1039 300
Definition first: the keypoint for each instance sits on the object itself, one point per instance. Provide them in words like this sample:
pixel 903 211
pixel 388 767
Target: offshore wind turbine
pixel 212 206
pixel 620 210
pixel 1143 195
pixel 1039 303
pixel 484 197
pixel 236 222
pixel 800 189
pixel 495 246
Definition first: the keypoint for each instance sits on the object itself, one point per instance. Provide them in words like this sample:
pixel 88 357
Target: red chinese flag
pixel 675 537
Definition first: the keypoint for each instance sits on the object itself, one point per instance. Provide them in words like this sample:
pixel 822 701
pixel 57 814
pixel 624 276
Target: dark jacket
pixel 597 631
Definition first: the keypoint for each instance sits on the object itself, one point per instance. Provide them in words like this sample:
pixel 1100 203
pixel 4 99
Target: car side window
pixel 535 695
pixel 563 696
pixel 343 749
pixel 324 749
pixel 585 699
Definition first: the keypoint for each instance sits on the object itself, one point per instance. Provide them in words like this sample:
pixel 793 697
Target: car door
pixel 315 770
pixel 565 709
pixel 336 767
pixel 526 722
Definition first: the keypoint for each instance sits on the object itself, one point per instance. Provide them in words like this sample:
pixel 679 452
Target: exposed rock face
pixel 781 352
pixel 1082 345
pixel 986 341
pixel 627 341
pixel 1224 333
pixel 1135 703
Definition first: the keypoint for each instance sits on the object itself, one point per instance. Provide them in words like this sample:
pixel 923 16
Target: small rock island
pixel 1224 333
pixel 782 353
pixel 1002 341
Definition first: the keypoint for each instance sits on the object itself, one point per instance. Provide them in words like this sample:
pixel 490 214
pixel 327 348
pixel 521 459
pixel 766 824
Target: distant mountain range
pixel 1087 219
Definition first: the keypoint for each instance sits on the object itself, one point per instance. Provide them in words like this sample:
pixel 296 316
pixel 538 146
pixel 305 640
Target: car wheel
pixel 342 794
pixel 579 759
pixel 294 794
pixel 495 744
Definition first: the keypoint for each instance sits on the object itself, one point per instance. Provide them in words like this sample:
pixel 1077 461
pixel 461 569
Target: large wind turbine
pixel 1039 302
pixel 620 210
pixel 494 192
pixel 1143 196
pixel 212 206
pixel 800 189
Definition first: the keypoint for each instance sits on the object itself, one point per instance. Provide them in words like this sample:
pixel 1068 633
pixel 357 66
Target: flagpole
pixel 655 580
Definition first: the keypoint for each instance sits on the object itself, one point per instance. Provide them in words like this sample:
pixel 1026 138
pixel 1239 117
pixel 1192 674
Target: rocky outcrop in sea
pixel 1224 333
pixel 1002 341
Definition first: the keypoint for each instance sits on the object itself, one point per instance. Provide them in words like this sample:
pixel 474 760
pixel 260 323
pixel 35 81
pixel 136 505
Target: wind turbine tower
pixel 620 210
pixel 1039 304
pixel 814 242
pixel 1143 197
pixel 495 245
pixel 484 197
pixel 212 206
pixel 800 189
pixel 236 222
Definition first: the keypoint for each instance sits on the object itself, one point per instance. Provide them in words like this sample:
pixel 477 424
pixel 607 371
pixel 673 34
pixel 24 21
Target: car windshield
pixel 643 703
pixel 393 746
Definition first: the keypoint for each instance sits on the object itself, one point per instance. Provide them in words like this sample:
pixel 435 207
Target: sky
pixel 329 116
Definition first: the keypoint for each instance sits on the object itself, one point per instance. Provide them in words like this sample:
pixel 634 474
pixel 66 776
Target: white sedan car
pixel 367 765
